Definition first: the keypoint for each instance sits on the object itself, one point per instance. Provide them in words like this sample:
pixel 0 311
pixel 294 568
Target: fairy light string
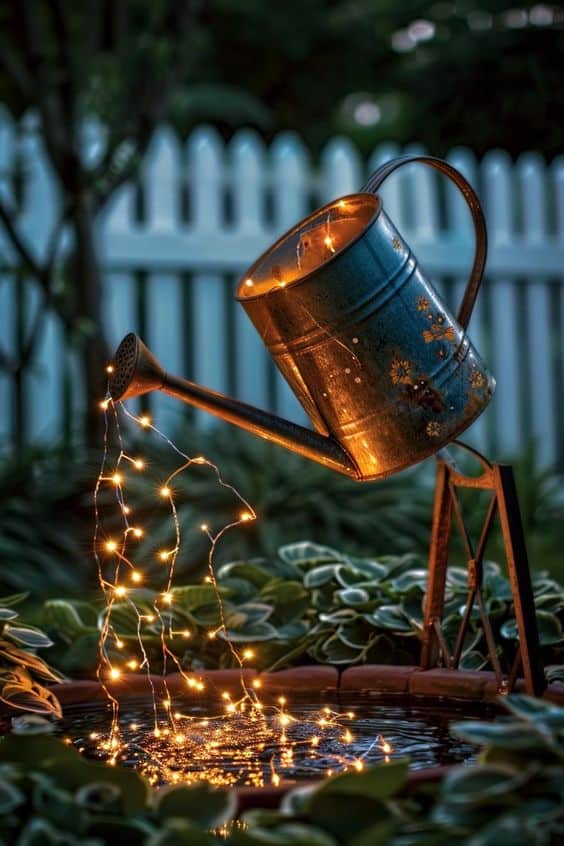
pixel 177 740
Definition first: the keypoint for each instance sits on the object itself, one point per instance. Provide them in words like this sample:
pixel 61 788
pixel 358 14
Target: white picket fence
pixel 174 243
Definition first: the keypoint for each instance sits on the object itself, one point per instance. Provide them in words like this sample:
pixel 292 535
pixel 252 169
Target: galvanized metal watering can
pixel 385 372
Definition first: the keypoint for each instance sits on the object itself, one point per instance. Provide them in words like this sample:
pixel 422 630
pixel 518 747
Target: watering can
pixel 385 372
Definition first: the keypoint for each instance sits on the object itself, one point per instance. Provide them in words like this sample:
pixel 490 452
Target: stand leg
pixel 500 481
pixel 520 578
pixel 438 561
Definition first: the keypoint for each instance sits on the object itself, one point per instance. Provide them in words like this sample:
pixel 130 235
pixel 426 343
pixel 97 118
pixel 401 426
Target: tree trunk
pixel 87 320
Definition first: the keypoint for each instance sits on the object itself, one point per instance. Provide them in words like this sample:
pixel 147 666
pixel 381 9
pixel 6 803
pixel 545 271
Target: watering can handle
pixel 473 285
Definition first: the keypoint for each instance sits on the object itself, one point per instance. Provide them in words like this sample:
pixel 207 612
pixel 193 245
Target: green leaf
pixel 353 596
pixel 199 803
pixel 26 636
pixel 482 785
pixel 191 597
pixel 7 614
pixel 13 599
pixel 345 815
pixel 10 797
pixel 374 570
pixel 390 617
pixel 527 707
pixel 409 580
pixel 377 835
pixel 252 633
pixel 320 576
pixel 34 750
pixel 307 552
pixel 288 834
pixel 179 832
pixel 503 735
pixel 379 782
pixel 337 652
pixel 61 615
pixel 253 573
pixel 549 627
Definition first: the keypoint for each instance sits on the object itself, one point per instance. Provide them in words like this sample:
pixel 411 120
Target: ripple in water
pixel 257 749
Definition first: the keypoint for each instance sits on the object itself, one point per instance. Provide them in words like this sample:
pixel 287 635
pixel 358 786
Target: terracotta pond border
pixel 319 681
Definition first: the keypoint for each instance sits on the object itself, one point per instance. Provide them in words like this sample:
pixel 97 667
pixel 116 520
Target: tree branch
pixel 19 245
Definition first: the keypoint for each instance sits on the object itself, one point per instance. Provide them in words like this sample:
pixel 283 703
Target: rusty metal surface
pixel 376 359
pixel 498 479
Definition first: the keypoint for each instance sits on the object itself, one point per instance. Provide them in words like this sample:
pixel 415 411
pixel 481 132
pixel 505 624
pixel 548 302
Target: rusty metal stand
pixel 498 479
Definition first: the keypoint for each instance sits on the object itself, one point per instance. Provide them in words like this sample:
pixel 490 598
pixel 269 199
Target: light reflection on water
pixel 352 730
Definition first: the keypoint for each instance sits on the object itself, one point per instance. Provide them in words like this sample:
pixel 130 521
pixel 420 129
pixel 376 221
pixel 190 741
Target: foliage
pixel 41 547
pixel 310 603
pixel 46 514
pixel 22 673
pixel 50 794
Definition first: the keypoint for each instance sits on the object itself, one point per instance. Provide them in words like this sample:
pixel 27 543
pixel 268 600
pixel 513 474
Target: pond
pixel 295 741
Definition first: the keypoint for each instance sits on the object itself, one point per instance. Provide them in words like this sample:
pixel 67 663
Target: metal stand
pixel 498 479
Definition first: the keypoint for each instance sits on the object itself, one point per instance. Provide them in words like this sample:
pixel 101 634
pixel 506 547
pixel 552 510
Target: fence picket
pixel 530 171
pixel 248 183
pixel 460 232
pixel 341 170
pixel 204 156
pixel 291 171
pixel 161 178
pixel 165 339
pixel 557 177
pixel 210 347
pixel 499 203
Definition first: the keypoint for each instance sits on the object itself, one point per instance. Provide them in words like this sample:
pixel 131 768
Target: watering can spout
pixel 136 371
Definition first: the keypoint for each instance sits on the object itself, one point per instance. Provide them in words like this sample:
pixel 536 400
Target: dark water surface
pixel 297 741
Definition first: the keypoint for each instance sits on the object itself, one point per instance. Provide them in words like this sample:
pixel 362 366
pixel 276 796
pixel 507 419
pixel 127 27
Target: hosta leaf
pixel 549 627
pixel 200 803
pixel 307 552
pixel 10 797
pixel 340 616
pixel 288 834
pixel 378 782
pixel 13 599
pixel 527 707
pixel 36 699
pixel 253 633
pixel 374 570
pixel 337 652
pixel 191 597
pixel 255 612
pixel 320 576
pixel 63 617
pixel 15 655
pixel 7 614
pixel 27 636
pixel 473 660
pixel 353 596
pixel 482 785
pixel 349 577
pixel 253 573
pixel 390 617
pixel 409 580
pixel 503 735
pixel 354 634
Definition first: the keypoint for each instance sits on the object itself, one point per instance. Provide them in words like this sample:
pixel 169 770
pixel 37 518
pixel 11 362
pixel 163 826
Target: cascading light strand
pixel 177 736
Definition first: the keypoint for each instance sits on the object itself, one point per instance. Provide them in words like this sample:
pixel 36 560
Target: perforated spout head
pixel 136 371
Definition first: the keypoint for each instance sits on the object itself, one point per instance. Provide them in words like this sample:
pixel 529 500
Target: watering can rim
pixel 373 199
